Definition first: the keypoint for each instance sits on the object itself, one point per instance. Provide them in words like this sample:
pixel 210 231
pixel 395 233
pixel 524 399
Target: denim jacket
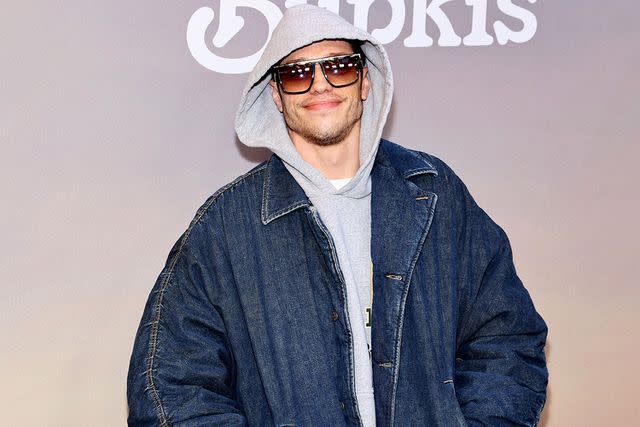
pixel 247 323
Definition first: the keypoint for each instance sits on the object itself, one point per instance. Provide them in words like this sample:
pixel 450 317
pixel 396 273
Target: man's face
pixel 324 115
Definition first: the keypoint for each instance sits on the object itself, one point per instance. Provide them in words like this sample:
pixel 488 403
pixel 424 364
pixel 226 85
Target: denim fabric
pixel 247 323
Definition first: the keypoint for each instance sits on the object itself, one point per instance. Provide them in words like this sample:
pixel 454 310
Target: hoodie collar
pixel 282 194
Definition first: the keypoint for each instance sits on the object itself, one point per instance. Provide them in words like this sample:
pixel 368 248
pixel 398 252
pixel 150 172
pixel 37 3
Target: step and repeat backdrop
pixel 116 123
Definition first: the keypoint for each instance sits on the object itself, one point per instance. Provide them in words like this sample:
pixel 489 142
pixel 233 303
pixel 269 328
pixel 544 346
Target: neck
pixel 335 161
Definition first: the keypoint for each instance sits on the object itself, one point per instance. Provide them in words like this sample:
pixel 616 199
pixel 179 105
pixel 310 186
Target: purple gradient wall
pixel 112 135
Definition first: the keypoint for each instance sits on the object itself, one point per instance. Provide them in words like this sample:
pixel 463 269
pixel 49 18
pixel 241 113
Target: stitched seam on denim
pixel 421 171
pixel 155 324
pixel 286 211
pixel 396 356
pixel 265 191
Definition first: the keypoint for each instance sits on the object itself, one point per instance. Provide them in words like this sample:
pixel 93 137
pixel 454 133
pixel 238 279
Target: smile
pixel 327 104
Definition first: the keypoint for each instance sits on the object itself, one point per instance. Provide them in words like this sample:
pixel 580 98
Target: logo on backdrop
pixel 231 23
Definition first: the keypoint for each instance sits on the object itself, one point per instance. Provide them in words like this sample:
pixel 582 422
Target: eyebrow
pixel 304 58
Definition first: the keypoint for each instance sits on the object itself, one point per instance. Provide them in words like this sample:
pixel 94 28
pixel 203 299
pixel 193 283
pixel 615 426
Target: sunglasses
pixel 297 77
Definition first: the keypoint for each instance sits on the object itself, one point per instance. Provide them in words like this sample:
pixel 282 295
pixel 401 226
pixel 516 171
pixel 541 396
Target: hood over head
pixel 259 123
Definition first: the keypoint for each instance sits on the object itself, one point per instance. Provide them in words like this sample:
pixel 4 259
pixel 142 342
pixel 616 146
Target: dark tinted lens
pixel 342 71
pixel 296 77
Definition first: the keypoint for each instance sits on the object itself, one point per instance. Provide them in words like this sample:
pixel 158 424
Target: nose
pixel 320 83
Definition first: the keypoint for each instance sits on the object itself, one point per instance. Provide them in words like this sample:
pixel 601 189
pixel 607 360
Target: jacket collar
pixel 407 163
pixel 282 194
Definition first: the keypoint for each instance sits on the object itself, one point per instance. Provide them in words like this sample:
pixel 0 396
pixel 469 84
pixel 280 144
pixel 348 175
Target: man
pixel 347 280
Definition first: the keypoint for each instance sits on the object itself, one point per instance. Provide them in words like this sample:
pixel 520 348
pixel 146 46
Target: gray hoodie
pixel 346 211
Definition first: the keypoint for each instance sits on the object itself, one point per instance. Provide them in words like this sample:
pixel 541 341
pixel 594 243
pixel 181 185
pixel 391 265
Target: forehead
pixel 319 49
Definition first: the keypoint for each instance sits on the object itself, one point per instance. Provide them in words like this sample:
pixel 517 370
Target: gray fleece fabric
pixel 346 211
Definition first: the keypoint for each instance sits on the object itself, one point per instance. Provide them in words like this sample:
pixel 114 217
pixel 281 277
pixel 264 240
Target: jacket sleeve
pixel 500 371
pixel 182 370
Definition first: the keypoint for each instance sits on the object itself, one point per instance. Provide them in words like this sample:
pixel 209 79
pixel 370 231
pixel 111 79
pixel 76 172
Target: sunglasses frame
pixel 276 76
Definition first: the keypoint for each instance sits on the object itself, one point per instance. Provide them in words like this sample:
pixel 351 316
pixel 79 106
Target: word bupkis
pixel 231 23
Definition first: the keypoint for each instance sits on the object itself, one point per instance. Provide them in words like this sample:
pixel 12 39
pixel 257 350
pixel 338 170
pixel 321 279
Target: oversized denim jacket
pixel 247 323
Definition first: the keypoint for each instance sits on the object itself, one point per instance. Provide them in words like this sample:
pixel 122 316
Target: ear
pixel 366 84
pixel 275 94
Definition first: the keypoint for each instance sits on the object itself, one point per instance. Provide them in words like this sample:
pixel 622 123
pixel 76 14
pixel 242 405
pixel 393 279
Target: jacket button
pixel 342 405
pixel 334 315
